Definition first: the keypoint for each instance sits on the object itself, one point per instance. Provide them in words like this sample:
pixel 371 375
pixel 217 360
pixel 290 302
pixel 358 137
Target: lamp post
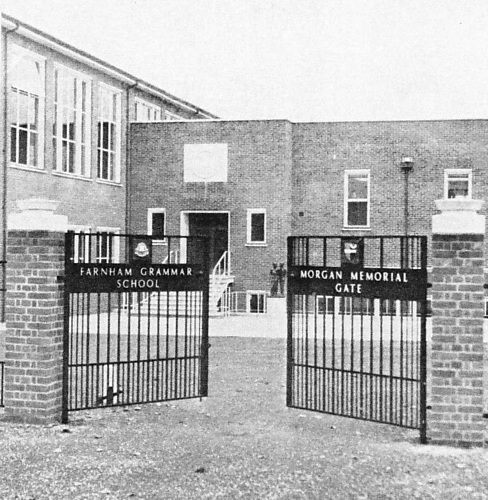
pixel 406 166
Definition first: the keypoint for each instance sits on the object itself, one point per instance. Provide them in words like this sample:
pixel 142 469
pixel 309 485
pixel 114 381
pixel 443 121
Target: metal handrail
pixel 222 266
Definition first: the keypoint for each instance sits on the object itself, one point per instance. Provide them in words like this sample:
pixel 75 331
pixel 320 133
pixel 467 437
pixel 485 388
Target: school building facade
pixel 250 184
pixel 65 136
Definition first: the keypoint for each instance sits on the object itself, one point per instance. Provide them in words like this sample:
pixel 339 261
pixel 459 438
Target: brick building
pixel 65 135
pixel 250 184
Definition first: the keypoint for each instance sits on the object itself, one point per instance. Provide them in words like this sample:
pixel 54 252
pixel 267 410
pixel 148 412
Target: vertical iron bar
pixel 291 241
pixel 205 319
pixel 423 350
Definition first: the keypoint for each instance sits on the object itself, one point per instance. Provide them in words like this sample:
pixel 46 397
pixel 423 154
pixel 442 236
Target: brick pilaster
pixel 34 318
pixel 457 340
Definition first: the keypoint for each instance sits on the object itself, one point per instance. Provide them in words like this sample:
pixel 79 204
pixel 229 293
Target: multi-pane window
pixel 257 302
pixel 387 307
pixel 106 247
pixel 171 116
pixel 357 198
pixel 81 244
pixel 325 304
pixel 109 127
pixel 457 183
pixel 146 112
pixel 356 305
pixel 26 107
pixel 156 222
pixel 71 126
pixel 256 226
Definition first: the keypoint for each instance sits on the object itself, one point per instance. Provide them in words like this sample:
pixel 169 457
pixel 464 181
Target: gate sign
pixel 367 282
pixel 98 278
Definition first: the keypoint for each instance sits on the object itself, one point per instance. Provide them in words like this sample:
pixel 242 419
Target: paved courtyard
pixel 239 443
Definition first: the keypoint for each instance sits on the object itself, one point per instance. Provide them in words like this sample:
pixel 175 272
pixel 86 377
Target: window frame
pixel 457 171
pixel 260 294
pixel 250 213
pixel 102 87
pixel 82 171
pixel 150 212
pixel 150 108
pixel 85 247
pixel 169 116
pixel 347 200
pixel 20 53
pixel 116 245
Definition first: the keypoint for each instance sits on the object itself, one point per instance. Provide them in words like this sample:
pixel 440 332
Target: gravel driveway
pixel 239 443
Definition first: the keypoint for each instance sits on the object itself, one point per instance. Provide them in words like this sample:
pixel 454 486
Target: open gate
pixel 357 327
pixel 136 327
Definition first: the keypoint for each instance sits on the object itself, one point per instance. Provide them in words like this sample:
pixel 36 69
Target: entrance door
pixel 215 227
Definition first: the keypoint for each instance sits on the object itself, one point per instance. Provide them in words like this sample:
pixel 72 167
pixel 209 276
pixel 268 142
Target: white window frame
pixel 168 116
pixel 347 175
pixel 250 213
pixel 249 294
pixel 115 177
pixel 78 230
pixel 116 244
pixel 450 174
pixel 16 55
pixel 80 169
pixel 152 109
pixel 150 212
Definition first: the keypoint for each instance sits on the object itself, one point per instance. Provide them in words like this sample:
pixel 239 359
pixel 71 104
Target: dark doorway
pixel 213 225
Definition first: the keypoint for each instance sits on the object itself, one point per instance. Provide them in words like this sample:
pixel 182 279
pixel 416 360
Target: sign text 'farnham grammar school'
pixel 129 278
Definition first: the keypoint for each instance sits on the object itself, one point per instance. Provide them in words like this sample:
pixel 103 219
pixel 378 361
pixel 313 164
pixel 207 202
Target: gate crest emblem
pixel 352 252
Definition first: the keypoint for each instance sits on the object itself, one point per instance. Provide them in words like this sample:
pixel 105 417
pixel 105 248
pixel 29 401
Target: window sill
pixel 72 176
pixel 248 244
pixel 18 166
pixel 109 183
pixel 357 228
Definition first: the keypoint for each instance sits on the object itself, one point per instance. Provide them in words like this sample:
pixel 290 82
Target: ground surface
pixel 240 443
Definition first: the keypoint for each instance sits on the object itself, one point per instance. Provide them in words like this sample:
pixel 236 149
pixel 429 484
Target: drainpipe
pixel 128 220
pixel 5 163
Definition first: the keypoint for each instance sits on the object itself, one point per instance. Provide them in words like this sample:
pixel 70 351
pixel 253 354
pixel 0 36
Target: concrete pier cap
pixel 458 216
pixel 37 214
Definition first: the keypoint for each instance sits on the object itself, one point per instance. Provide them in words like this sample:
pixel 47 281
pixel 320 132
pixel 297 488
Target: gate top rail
pixel 377 252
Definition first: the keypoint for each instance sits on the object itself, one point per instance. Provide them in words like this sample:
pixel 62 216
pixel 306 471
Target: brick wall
pixel 259 176
pixel 323 151
pixel 457 341
pixel 34 317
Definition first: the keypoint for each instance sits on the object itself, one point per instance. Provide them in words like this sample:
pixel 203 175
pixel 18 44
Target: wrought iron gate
pixel 136 328
pixel 357 327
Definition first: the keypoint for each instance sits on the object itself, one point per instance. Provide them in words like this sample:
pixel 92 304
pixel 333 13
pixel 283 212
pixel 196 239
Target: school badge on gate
pixel 352 252
pixel 141 250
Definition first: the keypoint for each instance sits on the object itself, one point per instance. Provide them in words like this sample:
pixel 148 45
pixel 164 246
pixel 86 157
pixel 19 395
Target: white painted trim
pixel 118 128
pixel 453 171
pixel 150 105
pixel 80 77
pixel 349 173
pixel 249 294
pixel 185 228
pixel 112 230
pixel 150 212
pixel 77 55
pixel 24 53
pixel 250 213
